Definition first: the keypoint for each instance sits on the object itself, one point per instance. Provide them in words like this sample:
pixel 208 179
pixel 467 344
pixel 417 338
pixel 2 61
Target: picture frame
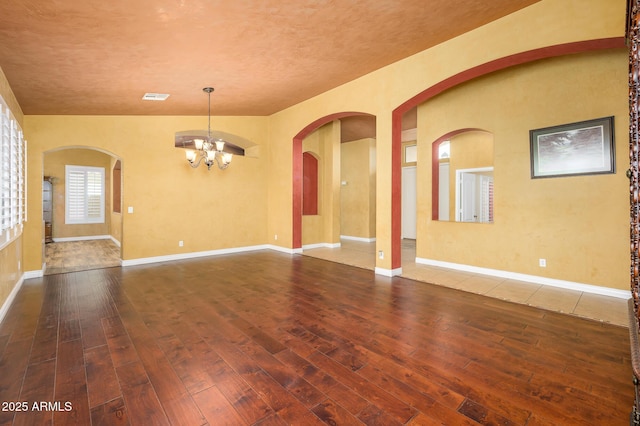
pixel 581 148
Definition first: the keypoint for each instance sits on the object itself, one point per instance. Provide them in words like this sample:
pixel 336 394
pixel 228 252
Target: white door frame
pixel 459 194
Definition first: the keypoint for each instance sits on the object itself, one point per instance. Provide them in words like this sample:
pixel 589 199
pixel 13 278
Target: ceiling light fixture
pixel 212 147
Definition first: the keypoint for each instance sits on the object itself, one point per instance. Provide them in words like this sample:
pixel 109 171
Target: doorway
pixel 474 195
pixel 73 243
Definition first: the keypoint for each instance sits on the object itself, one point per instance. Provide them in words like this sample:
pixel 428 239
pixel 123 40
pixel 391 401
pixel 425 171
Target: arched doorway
pixel 82 211
pixel 297 193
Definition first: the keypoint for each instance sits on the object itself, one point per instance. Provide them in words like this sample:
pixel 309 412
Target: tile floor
pixel 601 308
pixel 71 256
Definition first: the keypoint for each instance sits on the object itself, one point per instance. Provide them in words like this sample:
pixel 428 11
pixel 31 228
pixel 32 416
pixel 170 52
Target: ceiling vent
pixel 155 96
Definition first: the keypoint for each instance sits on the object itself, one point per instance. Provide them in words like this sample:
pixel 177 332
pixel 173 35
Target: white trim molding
pixel 86 238
pixel 388 272
pixel 320 245
pixel 283 249
pixel 361 239
pixel 193 255
pixel 34 274
pixel 535 279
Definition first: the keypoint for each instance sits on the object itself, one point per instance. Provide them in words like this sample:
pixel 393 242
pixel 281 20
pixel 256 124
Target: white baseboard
pixel 86 238
pixel 33 274
pixel 192 255
pixel 361 239
pixel 283 249
pixel 12 295
pixel 569 285
pixel 388 272
pixel 116 242
pixel 320 245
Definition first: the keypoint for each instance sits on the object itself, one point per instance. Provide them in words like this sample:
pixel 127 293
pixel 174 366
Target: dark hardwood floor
pixel 266 338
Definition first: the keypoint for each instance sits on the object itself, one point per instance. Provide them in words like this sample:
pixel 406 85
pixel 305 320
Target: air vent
pixel 155 96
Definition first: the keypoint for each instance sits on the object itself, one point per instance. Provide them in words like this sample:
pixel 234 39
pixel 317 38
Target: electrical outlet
pixel 180 243
pixel 542 263
pixel 380 254
pixel 276 237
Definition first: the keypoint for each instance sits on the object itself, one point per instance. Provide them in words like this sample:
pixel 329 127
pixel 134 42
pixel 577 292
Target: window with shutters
pixel 84 194
pixel 12 176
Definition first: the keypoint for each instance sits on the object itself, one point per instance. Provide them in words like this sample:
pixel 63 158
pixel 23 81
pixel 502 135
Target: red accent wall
pixel 309 184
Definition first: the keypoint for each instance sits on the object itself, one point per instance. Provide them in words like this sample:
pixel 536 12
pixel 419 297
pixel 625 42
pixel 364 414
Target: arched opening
pixel 82 209
pixel 455 80
pixel 439 163
pixel 298 174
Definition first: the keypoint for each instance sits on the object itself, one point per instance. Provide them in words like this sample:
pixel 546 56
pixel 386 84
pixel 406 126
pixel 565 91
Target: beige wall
pixel 357 207
pixel 578 224
pixel 54 166
pixel 208 210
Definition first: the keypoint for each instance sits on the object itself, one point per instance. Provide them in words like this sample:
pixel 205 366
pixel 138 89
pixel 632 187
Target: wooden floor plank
pixel 71 384
pixel 265 338
pixel 216 408
pixel 143 406
pixel 13 366
pixel 38 388
pixel 112 413
pixel 102 381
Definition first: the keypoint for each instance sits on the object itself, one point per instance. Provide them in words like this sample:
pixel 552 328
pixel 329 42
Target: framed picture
pixel 582 148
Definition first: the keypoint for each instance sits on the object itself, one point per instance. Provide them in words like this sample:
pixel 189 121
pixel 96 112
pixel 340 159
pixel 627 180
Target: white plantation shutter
pixel 5 172
pixel 16 137
pixel 75 196
pixel 22 181
pixel 13 188
pixel 95 194
pixel 84 191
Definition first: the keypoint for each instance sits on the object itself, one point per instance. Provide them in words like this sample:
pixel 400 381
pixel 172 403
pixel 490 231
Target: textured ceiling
pixel 99 57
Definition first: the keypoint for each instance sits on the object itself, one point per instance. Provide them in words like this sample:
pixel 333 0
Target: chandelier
pixel 210 147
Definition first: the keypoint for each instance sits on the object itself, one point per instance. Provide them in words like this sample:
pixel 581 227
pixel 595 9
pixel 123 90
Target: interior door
pixel 468 198
pixel 409 202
